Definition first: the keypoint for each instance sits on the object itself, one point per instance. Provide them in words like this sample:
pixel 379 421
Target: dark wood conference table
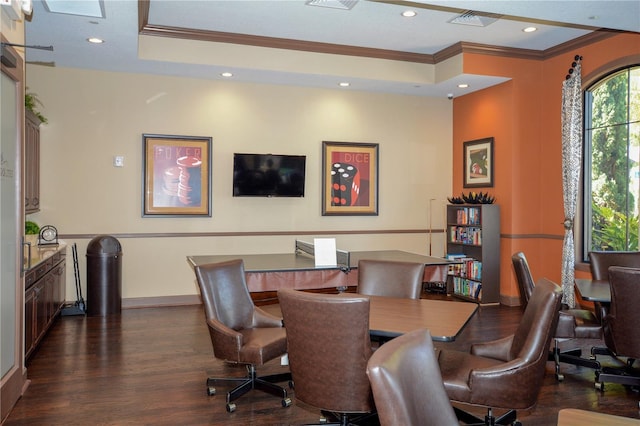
pixel 594 290
pixel 390 317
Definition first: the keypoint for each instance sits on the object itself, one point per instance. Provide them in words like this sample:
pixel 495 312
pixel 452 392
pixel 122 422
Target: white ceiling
pixel 372 25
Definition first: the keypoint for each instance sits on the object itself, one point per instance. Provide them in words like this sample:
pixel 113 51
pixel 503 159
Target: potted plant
pixel 31 231
pixel 31 102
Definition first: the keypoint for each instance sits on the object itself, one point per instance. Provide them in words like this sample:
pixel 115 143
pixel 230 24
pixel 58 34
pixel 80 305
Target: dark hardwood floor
pixel 148 366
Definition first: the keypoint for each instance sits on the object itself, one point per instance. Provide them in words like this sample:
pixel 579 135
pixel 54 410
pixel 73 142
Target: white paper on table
pixel 325 252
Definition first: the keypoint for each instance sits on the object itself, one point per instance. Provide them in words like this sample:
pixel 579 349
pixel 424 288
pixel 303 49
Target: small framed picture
pixel 349 178
pixel 176 175
pixel 478 163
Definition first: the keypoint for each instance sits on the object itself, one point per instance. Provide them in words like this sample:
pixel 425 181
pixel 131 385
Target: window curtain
pixel 571 162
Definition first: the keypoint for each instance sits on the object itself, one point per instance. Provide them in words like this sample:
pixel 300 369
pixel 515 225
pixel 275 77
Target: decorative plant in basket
pixel 456 200
pixel 473 198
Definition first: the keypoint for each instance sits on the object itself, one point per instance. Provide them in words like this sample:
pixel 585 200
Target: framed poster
pixel 349 178
pixel 478 163
pixel 176 175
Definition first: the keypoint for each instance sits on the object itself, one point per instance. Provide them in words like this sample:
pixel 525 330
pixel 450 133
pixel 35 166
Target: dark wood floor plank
pixel 149 366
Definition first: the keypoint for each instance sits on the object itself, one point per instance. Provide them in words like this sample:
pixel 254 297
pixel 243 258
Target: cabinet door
pixel 50 295
pixel 32 163
pixel 41 306
pixel 29 321
pixel 59 287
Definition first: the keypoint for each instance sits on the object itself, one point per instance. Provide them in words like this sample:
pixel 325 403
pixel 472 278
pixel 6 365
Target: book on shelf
pixel 465 235
pixel 468 216
pixel 465 267
pixel 468 288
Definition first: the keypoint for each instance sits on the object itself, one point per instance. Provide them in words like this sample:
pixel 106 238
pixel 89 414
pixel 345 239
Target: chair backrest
pixel 523 276
pixel 390 278
pixel 621 323
pixel 328 345
pixel 516 382
pixel 601 261
pixel 225 295
pixel 407 384
pixel 531 339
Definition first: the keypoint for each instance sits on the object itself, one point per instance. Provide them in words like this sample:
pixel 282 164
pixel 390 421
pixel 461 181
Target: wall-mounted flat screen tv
pixel 268 175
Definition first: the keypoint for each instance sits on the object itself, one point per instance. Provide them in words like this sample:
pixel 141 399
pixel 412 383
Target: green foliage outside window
pixel 614 132
pixel 614 231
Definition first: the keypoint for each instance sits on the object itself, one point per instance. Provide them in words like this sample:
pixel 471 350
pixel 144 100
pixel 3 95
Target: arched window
pixel 611 173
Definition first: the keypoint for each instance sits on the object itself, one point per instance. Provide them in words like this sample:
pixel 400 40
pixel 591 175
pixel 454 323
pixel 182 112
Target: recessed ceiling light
pixel 95 40
pixel 409 13
pixel 530 29
pixel 344 84
pixel 463 85
pixel 226 74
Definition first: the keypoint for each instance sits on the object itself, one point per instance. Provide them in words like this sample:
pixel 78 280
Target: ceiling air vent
pixel 474 19
pixel 333 4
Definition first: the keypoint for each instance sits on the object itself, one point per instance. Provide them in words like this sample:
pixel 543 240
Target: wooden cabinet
pixel 32 163
pixel 44 296
pixel 473 240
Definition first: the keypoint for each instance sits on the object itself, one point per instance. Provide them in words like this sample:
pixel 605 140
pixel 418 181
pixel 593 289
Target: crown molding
pixel 145 28
pixel 283 43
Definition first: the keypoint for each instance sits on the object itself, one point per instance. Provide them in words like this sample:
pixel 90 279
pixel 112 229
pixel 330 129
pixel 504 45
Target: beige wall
pixel 94 116
pixel 12 30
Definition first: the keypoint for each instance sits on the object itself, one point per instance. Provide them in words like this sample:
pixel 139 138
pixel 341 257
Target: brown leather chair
pixel 328 346
pixel 601 261
pixel 505 373
pixel 241 333
pixel 403 397
pixel 390 278
pixel 621 330
pixel 572 323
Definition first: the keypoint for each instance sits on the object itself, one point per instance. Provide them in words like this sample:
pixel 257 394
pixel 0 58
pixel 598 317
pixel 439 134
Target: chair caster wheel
pixel 211 390
pixel 516 423
pixel 559 377
pixel 323 420
pixel 599 386
pixel 291 384
pixel 231 407
pixel 287 402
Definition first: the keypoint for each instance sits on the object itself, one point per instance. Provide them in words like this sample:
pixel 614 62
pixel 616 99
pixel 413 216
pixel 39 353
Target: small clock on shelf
pixel 48 235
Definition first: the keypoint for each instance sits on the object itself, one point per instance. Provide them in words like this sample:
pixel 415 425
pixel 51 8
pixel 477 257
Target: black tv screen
pixel 268 175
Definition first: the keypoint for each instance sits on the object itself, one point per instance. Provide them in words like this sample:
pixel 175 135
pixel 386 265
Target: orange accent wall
pixel 524 117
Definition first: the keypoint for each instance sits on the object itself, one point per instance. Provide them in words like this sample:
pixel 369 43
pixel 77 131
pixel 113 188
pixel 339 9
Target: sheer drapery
pixel 571 161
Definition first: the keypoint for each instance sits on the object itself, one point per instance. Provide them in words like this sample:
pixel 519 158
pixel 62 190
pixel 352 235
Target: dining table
pixel 594 290
pixel 390 317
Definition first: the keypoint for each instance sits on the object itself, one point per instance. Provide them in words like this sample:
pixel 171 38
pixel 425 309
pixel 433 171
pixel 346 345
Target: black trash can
pixel 104 276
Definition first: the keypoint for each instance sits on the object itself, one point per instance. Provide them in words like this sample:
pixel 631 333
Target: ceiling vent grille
pixel 474 19
pixel 333 4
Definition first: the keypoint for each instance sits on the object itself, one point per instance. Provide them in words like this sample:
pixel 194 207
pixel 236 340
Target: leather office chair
pixel 390 278
pixel 402 396
pixel 572 323
pixel 601 261
pixel 241 333
pixel 328 345
pixel 622 334
pixel 506 373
